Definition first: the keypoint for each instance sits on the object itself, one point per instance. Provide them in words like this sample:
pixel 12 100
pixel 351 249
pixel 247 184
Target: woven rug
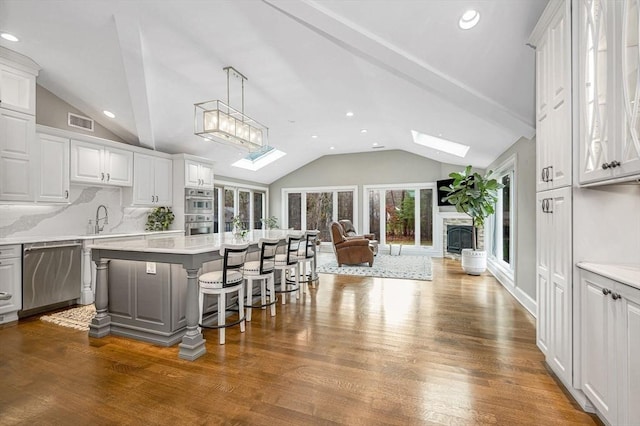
pixel 385 266
pixel 78 318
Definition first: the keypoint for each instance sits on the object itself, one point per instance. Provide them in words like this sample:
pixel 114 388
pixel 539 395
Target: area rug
pixel 385 266
pixel 78 318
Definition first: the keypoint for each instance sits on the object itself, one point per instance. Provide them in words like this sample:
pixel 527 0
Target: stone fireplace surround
pixel 454 218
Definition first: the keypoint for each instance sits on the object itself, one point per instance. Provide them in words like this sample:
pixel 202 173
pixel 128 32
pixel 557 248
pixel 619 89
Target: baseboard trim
pixel 509 284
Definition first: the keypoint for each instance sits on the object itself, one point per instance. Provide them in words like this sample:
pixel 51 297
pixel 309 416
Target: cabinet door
pixel 542 113
pixel 86 162
pixel 628 150
pixel 54 169
pixel 206 176
pixel 598 343
pixel 560 275
pixel 17 132
pixel 10 283
pixel 143 180
pixel 163 179
pixel 628 351
pixel 595 88
pixel 559 150
pixel 544 247
pixel 17 90
pixel 118 167
pixel 191 174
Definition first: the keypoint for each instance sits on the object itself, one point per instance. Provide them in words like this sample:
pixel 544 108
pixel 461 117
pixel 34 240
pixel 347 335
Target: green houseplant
pixel 270 222
pixel 159 219
pixel 238 227
pixel 476 195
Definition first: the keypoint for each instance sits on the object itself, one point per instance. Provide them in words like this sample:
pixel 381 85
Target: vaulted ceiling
pixel 399 65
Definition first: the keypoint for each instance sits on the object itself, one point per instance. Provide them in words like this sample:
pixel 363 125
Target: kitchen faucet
pixel 98 218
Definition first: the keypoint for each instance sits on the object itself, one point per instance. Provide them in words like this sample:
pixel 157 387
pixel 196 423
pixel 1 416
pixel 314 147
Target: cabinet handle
pixel 611 165
pixel 615 296
pixel 542 174
pixel 108 177
pixel 66 194
pixel 550 174
pixel 101 176
pixel 549 205
pixel 606 291
pixel 5 296
pixel 156 198
pixel 152 198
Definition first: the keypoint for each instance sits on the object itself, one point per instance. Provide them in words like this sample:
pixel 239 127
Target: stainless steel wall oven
pixel 198 211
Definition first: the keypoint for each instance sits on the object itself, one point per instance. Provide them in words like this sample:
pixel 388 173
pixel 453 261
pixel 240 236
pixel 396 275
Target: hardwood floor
pixel 457 350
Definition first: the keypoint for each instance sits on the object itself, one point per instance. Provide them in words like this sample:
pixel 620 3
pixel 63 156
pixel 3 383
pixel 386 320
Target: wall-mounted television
pixel 441 194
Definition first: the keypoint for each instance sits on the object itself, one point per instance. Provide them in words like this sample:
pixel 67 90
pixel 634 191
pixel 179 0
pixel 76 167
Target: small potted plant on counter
pixel 159 219
pixel 270 222
pixel 475 195
pixel 239 230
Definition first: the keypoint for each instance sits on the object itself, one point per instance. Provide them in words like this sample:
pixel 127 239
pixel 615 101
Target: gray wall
pixel 525 233
pixel 53 112
pixel 380 167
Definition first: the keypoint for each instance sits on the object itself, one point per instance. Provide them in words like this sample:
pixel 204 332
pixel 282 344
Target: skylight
pixel 439 144
pixel 260 158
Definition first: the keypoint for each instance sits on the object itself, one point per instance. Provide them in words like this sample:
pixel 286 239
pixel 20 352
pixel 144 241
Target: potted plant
pixel 270 222
pixel 475 195
pixel 159 219
pixel 238 227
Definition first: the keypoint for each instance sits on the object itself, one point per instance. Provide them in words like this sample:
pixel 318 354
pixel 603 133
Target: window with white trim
pixel 501 229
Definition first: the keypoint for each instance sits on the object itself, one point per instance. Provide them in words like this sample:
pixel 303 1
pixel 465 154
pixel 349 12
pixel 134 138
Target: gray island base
pixel 158 308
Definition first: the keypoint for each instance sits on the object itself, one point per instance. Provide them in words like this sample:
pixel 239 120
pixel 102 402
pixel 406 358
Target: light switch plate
pixel 151 268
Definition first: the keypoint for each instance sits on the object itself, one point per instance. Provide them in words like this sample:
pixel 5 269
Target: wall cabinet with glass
pixel 608 75
pixel 100 164
pixel 610 346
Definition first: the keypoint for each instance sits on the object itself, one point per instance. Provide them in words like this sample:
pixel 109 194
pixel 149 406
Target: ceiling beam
pixel 401 63
pixel 132 51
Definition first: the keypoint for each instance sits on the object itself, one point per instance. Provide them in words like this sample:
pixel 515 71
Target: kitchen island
pixel 191 253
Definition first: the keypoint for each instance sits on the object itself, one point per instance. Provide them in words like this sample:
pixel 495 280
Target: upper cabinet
pixel 152 182
pixel 17 134
pixel 17 89
pixel 53 185
pixel 198 174
pixel 608 76
pixel 552 38
pixel 99 164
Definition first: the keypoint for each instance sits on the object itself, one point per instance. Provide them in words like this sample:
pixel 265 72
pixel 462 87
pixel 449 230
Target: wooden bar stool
pixel 262 270
pixel 229 280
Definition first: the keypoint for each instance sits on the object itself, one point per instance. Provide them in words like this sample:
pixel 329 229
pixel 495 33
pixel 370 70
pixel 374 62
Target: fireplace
pixel 459 237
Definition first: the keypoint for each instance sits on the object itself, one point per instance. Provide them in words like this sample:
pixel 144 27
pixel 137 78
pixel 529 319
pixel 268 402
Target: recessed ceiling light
pixel 469 19
pixel 363 131
pixel 109 114
pixel 9 37
pixel 332 147
pixel 375 144
pixel 314 136
pixel 349 114
pixel 439 144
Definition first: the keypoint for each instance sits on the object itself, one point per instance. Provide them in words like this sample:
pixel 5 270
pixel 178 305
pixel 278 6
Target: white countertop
pixel 628 274
pixel 191 245
pixel 46 238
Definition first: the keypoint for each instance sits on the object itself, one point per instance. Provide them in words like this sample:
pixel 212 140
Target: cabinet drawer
pixel 8 252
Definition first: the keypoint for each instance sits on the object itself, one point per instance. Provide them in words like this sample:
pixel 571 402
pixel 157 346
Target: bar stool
pixel 229 280
pixel 262 270
pixel 287 264
pixel 307 257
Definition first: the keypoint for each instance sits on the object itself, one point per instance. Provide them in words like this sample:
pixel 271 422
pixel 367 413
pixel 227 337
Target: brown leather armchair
pixel 350 250
pixel 350 231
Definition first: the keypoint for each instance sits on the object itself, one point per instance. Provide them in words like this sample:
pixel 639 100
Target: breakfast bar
pixel 191 252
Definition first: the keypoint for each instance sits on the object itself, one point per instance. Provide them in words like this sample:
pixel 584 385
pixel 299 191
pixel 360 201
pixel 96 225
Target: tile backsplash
pixel 18 220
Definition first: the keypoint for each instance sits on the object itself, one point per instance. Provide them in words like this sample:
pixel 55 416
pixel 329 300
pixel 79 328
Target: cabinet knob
pixel 606 291
pixel 614 164
pixel 615 296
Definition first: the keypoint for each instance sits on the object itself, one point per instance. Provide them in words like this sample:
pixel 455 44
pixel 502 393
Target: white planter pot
pixel 474 262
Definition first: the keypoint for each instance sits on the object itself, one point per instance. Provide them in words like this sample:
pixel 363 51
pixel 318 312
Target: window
pixel 500 225
pixel 316 208
pixel 401 214
pixel 250 203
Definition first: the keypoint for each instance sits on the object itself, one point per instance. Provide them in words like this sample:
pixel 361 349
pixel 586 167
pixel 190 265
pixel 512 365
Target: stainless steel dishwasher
pixel 51 275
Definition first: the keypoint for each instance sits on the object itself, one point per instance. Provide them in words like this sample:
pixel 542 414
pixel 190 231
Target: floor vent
pixel 80 122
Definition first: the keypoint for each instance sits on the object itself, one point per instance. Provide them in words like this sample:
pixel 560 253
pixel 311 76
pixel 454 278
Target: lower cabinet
pixel 610 347
pixel 10 282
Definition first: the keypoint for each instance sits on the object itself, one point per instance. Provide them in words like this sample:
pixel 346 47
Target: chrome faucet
pixel 98 218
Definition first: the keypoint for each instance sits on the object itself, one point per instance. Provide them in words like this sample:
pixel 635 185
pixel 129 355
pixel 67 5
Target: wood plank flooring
pixel 355 351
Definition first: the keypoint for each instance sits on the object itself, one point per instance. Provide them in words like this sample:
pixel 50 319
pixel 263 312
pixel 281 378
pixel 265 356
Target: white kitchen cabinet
pixel 10 282
pixel 553 280
pixel 17 89
pixel 17 134
pixel 152 181
pixel 54 169
pixel 608 77
pixel 553 98
pixel 610 347
pixel 99 164
pixel 198 175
